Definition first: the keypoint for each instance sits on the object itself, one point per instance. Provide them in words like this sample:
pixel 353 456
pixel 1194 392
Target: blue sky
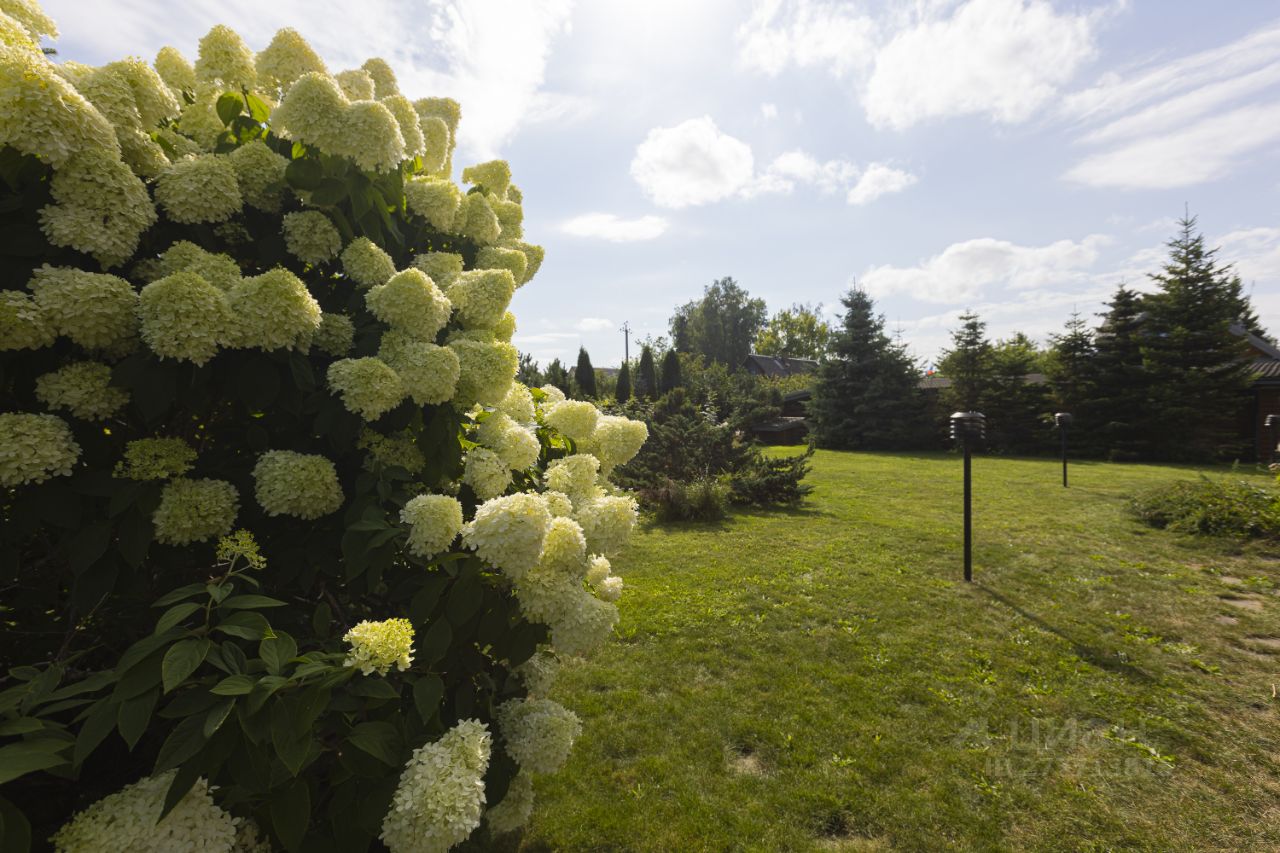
pixel 1017 157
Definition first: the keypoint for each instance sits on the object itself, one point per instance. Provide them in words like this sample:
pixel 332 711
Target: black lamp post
pixel 1063 420
pixel 1273 424
pixel 968 429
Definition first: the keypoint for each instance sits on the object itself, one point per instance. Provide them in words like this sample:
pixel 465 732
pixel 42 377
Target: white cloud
pixel 611 227
pixel 491 55
pixel 593 324
pixel 1000 58
pixel 1004 59
pixel 879 179
pixel 691 163
pixel 805 33
pixel 963 271
pixel 696 163
pixel 769 111
pixel 1201 152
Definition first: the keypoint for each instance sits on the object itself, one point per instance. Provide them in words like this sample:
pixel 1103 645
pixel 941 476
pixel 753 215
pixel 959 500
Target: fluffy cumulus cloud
pixel 1183 122
pixel 692 163
pixel 879 179
pixel 491 55
pixel 697 163
pixel 965 271
pixel 1003 59
pixel 614 228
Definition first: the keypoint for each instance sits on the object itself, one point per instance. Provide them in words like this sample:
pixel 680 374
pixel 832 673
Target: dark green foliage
pixel 1113 420
pixel 584 375
pixel 1017 409
pixel 557 375
pixel 1213 507
pixel 646 376
pixel 1069 367
pixel 688 445
pixel 1200 369
pixel 867 393
pixel 702 499
pixel 968 364
pixel 623 392
pixel 771 480
pixel 528 373
pixel 721 326
pixel 670 377
pixel 795 332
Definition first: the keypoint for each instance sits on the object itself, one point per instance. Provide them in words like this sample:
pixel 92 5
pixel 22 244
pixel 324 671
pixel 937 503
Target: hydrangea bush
pixel 289 559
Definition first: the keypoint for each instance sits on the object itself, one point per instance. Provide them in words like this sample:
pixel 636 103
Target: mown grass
pixel 822 678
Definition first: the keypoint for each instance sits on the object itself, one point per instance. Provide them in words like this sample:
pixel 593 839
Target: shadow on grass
pixel 1089 654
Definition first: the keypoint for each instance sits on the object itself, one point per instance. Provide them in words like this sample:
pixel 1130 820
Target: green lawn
pixel 821 678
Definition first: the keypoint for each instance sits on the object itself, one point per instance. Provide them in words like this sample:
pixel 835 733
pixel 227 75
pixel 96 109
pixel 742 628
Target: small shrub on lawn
pixel 703 499
pixel 770 480
pixel 1212 507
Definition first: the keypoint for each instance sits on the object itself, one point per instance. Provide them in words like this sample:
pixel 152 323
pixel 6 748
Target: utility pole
pixel 626 342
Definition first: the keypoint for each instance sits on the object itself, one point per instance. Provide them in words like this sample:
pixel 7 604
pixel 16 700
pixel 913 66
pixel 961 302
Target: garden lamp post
pixel 1273 424
pixel 1063 420
pixel 968 429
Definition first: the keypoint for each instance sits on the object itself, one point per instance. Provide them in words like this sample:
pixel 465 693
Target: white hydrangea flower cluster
pixel 195 511
pixel 22 323
pixel 220 270
pixel 575 419
pixel 486 473
pixel 303 485
pixel 507 532
pixel 284 60
pixel 410 303
pixel 260 173
pixel 440 798
pixel 515 445
pixel 487 369
pixel 311 237
pixel 224 58
pixel 93 310
pixel 575 476
pixel 274 310
pixel 391 450
pixel 82 388
pixel 130 820
pixel 34 448
pixel 429 373
pixel 434 522
pixel 481 297
pixel 184 317
pixel 335 334
pixel 368 386
pixel 155 459
pixel 377 646
pixel 539 733
pixel 516 807
pixel 518 404
pixel 200 188
pixel 366 263
pixel 442 267
pixel 503 258
pixel 607 521
pixel 316 111
pixel 615 441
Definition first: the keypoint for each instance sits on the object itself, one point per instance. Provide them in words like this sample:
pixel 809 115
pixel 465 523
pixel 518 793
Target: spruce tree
pixel 585 375
pixel 1016 408
pixel 670 378
pixel 867 394
pixel 1199 367
pixel 623 394
pixel 646 376
pixel 1113 419
pixel 968 365
pixel 1069 366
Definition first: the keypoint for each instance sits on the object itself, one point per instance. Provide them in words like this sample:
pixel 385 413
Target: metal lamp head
pixel 1273 421
pixel 1062 419
pixel 968 427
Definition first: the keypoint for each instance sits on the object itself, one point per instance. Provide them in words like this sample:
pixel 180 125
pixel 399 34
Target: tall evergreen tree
pixel 558 376
pixel 867 393
pixel 527 373
pixel 1200 369
pixel 670 378
pixel 646 376
pixel 623 393
pixel 1113 419
pixel 585 375
pixel 1069 366
pixel 968 365
pixel 1015 404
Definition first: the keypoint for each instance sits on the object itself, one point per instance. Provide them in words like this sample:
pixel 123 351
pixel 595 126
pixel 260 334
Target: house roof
pixel 772 365
pixel 935 382
pixel 1266 362
pixel 779 425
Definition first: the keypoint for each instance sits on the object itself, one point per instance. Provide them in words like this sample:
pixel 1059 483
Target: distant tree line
pixel 1160 377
